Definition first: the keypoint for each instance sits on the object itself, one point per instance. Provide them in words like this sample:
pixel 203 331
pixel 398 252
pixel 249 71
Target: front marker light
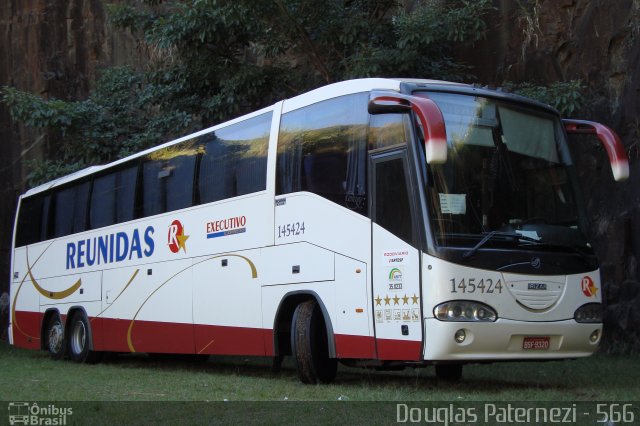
pixel 589 313
pixel 466 311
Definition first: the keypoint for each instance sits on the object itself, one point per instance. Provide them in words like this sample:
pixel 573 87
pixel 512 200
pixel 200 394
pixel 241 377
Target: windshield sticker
pixel 453 203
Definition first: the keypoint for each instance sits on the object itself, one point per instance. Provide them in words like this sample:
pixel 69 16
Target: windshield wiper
pixel 518 237
pixel 490 235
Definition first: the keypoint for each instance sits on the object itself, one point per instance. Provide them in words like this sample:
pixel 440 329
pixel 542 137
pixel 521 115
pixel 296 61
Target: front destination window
pixel 508 179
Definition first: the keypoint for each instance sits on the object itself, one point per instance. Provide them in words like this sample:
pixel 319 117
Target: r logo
pixel 588 287
pixel 176 239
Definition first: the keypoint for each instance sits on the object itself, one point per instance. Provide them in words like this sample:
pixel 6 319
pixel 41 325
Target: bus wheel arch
pixel 53 334
pixel 284 317
pixel 79 341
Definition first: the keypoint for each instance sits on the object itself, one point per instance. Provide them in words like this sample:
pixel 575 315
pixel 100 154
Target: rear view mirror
pixel 609 139
pixel 429 117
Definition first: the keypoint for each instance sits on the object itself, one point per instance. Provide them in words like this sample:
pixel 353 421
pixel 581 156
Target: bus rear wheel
pixel 310 345
pixel 449 372
pixel 54 337
pixel 78 345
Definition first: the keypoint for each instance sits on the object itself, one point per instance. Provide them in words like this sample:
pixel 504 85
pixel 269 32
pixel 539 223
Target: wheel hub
pixel 55 338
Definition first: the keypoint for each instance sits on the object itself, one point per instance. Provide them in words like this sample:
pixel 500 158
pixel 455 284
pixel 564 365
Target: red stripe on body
pixel 110 334
pixel 399 350
pixel 26 329
pixel 350 346
pixel 225 340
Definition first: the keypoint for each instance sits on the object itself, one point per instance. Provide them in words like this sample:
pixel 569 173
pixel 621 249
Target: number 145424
pixel 475 285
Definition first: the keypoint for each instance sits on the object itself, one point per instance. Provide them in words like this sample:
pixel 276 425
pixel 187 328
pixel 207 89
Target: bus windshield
pixel 508 173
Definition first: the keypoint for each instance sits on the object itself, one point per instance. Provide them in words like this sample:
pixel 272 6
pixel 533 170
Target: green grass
pixel 136 389
pixel 31 375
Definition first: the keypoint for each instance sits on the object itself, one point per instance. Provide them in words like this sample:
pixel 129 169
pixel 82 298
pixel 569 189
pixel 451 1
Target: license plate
pixel 536 343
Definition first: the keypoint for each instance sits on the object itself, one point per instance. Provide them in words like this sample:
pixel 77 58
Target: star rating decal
pixel 396 300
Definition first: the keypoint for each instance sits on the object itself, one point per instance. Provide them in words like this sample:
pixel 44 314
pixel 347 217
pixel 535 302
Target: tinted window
pixel 167 177
pixel 234 160
pixel 393 210
pixel 71 209
pixel 125 198
pixel 113 197
pixel 103 204
pixel 386 130
pixel 322 149
pixel 29 221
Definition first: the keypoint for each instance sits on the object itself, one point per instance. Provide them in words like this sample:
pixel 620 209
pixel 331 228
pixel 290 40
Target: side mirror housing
pixel 428 114
pixel 609 139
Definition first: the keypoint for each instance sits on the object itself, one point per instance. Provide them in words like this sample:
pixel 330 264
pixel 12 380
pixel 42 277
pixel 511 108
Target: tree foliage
pixel 215 59
pixel 565 96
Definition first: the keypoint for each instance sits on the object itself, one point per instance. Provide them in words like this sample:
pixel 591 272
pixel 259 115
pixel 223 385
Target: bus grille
pixel 536 295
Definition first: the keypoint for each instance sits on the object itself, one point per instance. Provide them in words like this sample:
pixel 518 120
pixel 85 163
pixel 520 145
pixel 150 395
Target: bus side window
pixel 391 184
pixel 70 213
pixel 215 180
pixel 125 197
pixel 113 197
pixel 234 160
pixel 46 226
pixel 386 130
pixel 322 148
pixel 103 206
pixel 30 221
pixel 179 186
pixel 167 178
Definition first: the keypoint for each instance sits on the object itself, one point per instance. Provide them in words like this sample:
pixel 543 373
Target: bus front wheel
pixel 78 346
pixel 310 345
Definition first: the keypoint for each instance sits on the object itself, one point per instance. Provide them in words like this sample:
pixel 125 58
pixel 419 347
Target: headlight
pixel 589 313
pixel 464 310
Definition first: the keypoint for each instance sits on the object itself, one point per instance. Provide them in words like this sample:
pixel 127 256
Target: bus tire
pixel 449 372
pixel 54 337
pixel 310 345
pixel 78 340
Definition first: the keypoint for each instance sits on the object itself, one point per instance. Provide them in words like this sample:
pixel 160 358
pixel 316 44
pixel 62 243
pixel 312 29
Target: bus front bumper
pixel 509 340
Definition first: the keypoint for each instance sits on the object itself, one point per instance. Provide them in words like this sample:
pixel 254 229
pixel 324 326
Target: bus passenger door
pixel 396 261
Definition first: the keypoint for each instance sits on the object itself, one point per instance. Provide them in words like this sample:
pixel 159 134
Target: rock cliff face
pixel 56 47
pixel 598 42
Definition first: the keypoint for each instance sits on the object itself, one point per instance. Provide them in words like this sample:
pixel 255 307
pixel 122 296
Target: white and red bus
pixel 377 222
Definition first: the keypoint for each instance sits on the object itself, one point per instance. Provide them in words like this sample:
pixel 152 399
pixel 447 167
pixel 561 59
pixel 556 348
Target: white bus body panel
pixel 346 236
pixel 396 296
pixel 503 339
